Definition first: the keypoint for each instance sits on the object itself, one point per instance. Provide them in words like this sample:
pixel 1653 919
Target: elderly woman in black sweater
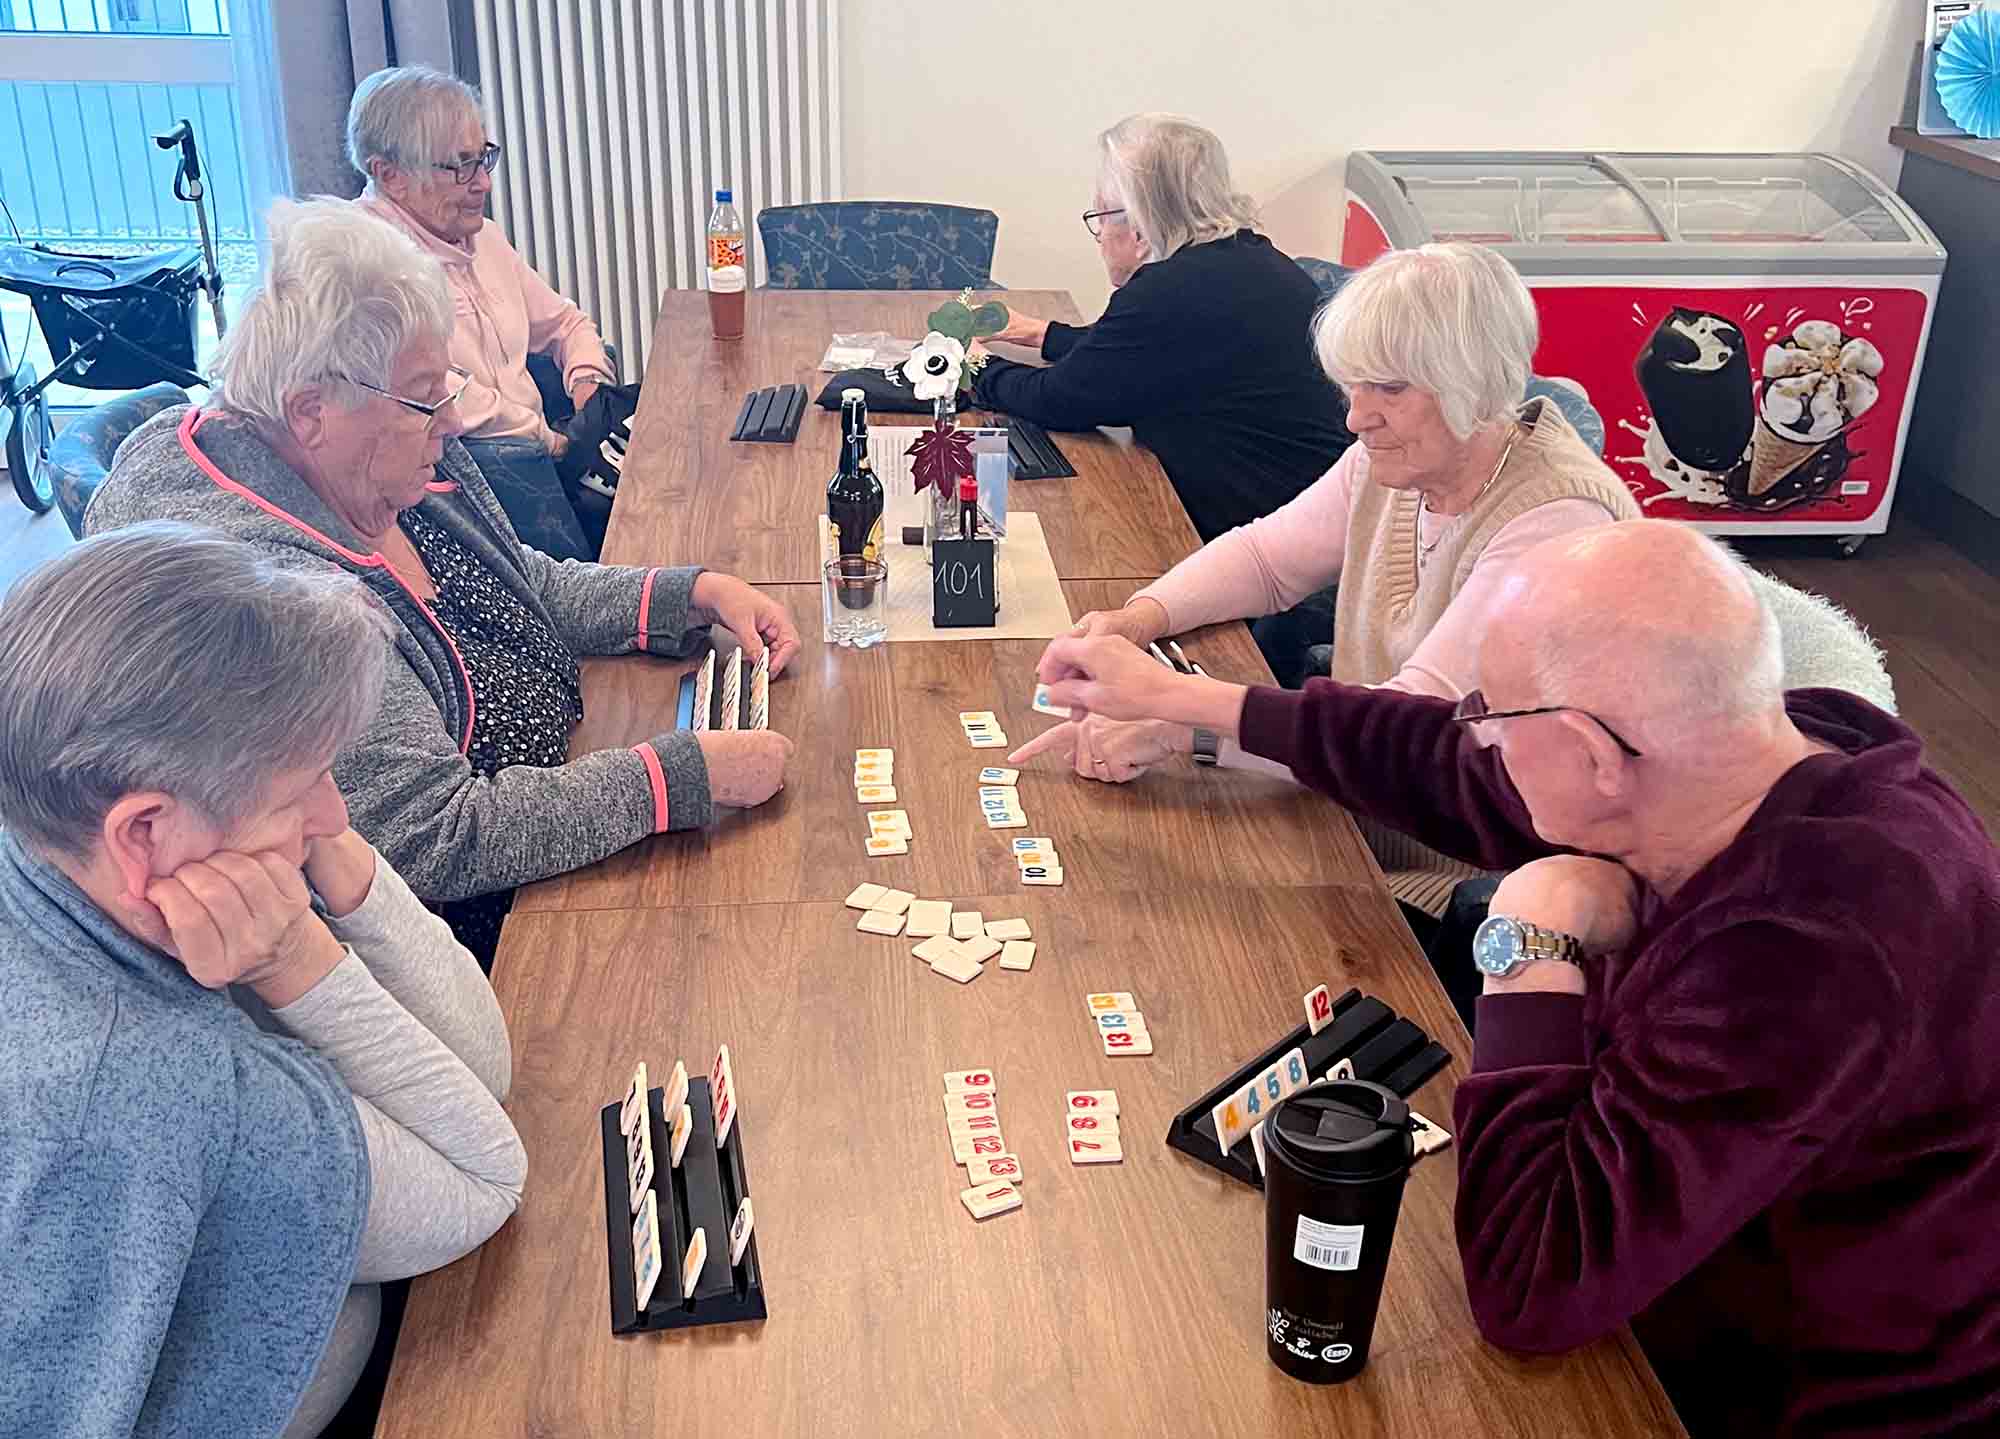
pixel 1205 349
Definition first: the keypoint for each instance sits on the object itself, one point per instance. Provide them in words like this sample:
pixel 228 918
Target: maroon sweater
pixel 1770 1125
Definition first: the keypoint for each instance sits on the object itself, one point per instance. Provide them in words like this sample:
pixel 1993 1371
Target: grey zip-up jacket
pixel 410 790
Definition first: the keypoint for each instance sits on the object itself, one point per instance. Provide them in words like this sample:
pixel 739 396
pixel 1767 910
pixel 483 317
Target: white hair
pixel 409 116
pixel 1171 178
pixel 343 294
pixel 171 658
pixel 1454 320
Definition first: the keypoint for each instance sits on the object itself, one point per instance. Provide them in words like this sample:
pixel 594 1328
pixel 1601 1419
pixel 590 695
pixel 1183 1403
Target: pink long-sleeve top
pixel 505 312
pixel 1274 562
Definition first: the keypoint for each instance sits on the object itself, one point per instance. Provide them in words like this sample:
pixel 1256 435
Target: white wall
pixel 1292 85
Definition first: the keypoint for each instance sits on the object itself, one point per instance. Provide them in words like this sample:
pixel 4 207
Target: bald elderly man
pixel 1739 1079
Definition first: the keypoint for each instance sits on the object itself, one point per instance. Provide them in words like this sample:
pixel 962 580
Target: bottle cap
pixel 724 197
pixel 853 392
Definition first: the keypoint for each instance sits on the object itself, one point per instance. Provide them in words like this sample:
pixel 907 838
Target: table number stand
pixel 1384 1048
pixel 703 1192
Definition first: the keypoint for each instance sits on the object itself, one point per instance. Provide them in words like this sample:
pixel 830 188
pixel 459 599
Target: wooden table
pixel 1118 1300
pixel 746 508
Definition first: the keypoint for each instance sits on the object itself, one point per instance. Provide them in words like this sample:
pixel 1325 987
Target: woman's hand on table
pixel 1021 329
pixel 745 766
pixel 752 616
pixel 1107 675
pixel 245 919
pixel 1114 751
pixel 1141 621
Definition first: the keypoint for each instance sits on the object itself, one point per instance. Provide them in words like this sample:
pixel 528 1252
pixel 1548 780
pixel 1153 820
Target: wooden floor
pixel 1936 614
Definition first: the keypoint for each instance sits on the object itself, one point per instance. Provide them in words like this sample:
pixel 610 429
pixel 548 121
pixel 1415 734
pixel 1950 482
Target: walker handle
pixel 183 136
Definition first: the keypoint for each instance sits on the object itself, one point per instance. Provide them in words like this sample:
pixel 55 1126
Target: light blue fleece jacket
pixel 182 1195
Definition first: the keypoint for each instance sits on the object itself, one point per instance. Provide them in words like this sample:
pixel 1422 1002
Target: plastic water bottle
pixel 727 277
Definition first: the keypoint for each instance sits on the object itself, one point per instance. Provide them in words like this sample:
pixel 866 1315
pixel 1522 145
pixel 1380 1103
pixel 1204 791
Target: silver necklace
pixel 1423 550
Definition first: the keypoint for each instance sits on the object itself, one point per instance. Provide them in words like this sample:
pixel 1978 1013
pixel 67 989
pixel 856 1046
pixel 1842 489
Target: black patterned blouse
pixel 525 695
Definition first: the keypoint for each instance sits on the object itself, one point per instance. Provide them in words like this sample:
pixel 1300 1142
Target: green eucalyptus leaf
pixel 953 319
pixel 989 319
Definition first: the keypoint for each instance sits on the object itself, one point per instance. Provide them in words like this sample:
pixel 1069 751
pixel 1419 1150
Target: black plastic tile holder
pixel 1383 1047
pixel 701 1192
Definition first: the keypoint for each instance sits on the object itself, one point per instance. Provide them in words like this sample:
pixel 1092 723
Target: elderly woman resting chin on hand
pixel 200 1209
pixel 331 446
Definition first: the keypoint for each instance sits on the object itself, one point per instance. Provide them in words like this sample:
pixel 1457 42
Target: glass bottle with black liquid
pixel 854 500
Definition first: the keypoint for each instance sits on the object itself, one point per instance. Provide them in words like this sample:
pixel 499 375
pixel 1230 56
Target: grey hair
pixel 1454 320
pixel 408 116
pixel 167 657
pixel 342 296
pixel 1171 177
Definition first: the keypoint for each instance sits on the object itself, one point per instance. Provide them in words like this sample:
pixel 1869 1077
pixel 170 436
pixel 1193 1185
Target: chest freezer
pixel 1751 327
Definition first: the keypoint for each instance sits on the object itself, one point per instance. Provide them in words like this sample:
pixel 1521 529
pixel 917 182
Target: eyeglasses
pixel 1093 220
pixel 1472 710
pixel 428 411
pixel 461 170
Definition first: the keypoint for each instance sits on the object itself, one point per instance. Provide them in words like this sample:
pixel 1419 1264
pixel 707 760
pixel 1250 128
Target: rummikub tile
pixel 865 896
pixel 978 949
pixel 983 1201
pixel 929 917
pixel 875 922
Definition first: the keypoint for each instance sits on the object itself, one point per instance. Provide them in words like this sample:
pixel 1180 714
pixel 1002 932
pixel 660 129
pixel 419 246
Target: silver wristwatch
pixel 1503 945
pixel 1207 747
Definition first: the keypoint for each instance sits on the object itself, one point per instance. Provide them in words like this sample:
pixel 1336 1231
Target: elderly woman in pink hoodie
pixel 420 138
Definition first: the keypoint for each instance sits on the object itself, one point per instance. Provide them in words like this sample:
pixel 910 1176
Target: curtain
pixel 260 100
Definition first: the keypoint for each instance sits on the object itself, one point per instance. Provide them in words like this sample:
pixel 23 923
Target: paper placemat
pixel 1031 598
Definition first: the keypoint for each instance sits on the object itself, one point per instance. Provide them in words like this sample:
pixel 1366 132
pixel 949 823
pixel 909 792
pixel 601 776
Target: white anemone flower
pixel 934 367
pixel 1818 383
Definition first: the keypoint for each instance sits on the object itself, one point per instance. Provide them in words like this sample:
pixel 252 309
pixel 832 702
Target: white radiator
pixel 619 119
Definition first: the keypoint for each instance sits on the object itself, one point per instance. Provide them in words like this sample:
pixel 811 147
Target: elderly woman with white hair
pixel 418 137
pixel 200 1197
pixel 1205 348
pixel 1421 524
pixel 329 444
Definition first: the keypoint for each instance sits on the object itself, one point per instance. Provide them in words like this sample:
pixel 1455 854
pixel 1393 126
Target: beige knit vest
pixel 1385 607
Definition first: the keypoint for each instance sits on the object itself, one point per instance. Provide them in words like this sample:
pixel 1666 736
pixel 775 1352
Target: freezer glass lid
pixel 1494 201
pixel 1765 199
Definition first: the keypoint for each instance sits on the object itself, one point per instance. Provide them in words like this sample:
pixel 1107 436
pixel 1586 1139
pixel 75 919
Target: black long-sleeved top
pixel 1208 356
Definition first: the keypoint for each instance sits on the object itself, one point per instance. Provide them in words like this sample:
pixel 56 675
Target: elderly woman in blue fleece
pixel 244 1075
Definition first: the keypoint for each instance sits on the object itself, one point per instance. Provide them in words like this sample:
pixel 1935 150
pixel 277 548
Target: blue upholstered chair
pixel 1567 394
pixel 1325 274
pixel 877 245
pixel 81 456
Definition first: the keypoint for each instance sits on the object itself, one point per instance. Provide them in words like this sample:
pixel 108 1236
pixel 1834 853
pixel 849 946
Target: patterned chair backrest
pixel 1567 394
pixel 81 456
pixel 878 245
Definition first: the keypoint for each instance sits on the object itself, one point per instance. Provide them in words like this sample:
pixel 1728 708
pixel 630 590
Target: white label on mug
pixel 1328 1246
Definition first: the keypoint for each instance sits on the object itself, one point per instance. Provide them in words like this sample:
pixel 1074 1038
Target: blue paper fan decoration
pixel 1968 74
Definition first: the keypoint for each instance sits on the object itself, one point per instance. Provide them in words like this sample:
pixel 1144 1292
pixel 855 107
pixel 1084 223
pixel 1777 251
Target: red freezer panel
pixel 1726 405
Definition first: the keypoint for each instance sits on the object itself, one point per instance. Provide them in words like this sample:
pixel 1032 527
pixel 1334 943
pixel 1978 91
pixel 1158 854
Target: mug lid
pixel 1343 1129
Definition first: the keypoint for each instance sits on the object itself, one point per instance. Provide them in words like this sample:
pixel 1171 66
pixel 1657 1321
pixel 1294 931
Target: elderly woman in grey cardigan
pixel 197 1206
pixel 330 444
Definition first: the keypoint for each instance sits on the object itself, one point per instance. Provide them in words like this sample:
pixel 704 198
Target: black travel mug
pixel 1335 1158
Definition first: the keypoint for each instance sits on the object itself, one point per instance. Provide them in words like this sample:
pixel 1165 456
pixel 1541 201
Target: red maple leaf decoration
pixel 941 456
